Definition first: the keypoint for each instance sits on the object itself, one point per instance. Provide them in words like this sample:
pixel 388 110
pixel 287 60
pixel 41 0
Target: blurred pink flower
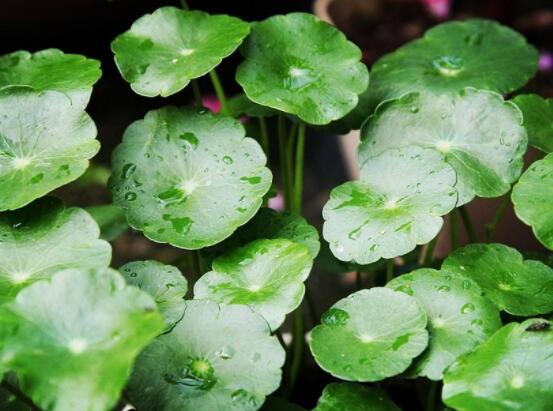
pixel 546 61
pixel 277 202
pixel 212 103
pixel 438 8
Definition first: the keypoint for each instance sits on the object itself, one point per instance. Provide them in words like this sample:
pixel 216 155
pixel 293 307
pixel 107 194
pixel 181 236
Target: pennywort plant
pixel 443 121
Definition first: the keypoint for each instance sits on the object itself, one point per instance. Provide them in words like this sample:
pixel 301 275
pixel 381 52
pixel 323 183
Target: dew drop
pixel 228 160
pixel 190 139
pixel 444 289
pixel 467 308
pixel 37 178
pixel 130 196
pixel 226 353
pixel 128 170
pixel 335 317
pixel 251 180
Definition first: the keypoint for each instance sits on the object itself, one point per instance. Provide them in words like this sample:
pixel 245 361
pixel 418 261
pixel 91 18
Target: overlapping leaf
pixel 511 371
pixel 459 317
pixel 532 197
pixel 216 357
pixel 188 177
pixel 478 53
pixel 538 120
pixel 43 238
pixel 370 335
pixel 354 397
pixel 111 220
pixel 45 142
pixel 51 69
pixel 72 340
pixel 477 132
pixel 164 50
pixel 164 283
pixel 397 204
pixel 520 287
pixel 266 275
pixel 317 79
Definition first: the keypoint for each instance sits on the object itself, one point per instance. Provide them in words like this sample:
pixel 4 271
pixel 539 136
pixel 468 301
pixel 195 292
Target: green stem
pixel 264 137
pixel 454 230
pixel 197 94
pixel 285 177
pixel 431 396
pixel 430 251
pixel 184 5
pixel 219 91
pixel 389 270
pixel 278 334
pixel 298 171
pixel 311 306
pixel 297 349
pixel 290 162
pixel 465 217
pixel 19 395
pixel 490 227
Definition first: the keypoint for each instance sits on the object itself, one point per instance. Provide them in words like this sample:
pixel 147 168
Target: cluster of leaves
pixel 436 133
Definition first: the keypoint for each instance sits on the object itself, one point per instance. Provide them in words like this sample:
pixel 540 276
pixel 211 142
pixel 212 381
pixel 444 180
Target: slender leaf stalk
pixel 358 280
pixel 389 270
pixel 282 154
pixel 19 395
pixel 184 4
pixel 197 93
pixel 297 349
pixel 431 396
pixel 298 171
pixel 490 227
pixel 264 138
pixel 467 223
pixel 217 86
pixel 430 251
pixel 454 230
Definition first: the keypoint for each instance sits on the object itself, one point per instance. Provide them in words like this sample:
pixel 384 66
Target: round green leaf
pixel 348 396
pixel 272 224
pixel 511 371
pixel 72 340
pixel 45 142
pixel 111 220
pixel 164 50
pixel 538 120
pixel 216 358
pixel 397 204
pixel 532 197
pixel 164 283
pixel 43 238
pixel 317 79
pixel 520 287
pixel 459 317
pixel 241 105
pixel 188 177
pixel 478 133
pixel 51 69
pixel 266 275
pixel 453 55
pixel 370 335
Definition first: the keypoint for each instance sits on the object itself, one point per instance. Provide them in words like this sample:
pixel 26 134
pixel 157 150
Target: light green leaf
pixel 241 105
pixel 45 142
pixel 164 50
pixel 272 224
pixel 188 177
pixel 43 238
pixel 370 335
pixel 532 197
pixel 72 340
pixel 511 371
pixel 478 53
pixel 266 275
pixel 317 79
pixel 216 358
pixel 111 220
pixel 538 120
pixel 477 132
pixel 459 317
pixel 51 69
pixel 348 396
pixel 164 283
pixel 397 204
pixel 520 287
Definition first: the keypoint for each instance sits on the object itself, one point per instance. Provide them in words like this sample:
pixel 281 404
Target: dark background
pixel 377 26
